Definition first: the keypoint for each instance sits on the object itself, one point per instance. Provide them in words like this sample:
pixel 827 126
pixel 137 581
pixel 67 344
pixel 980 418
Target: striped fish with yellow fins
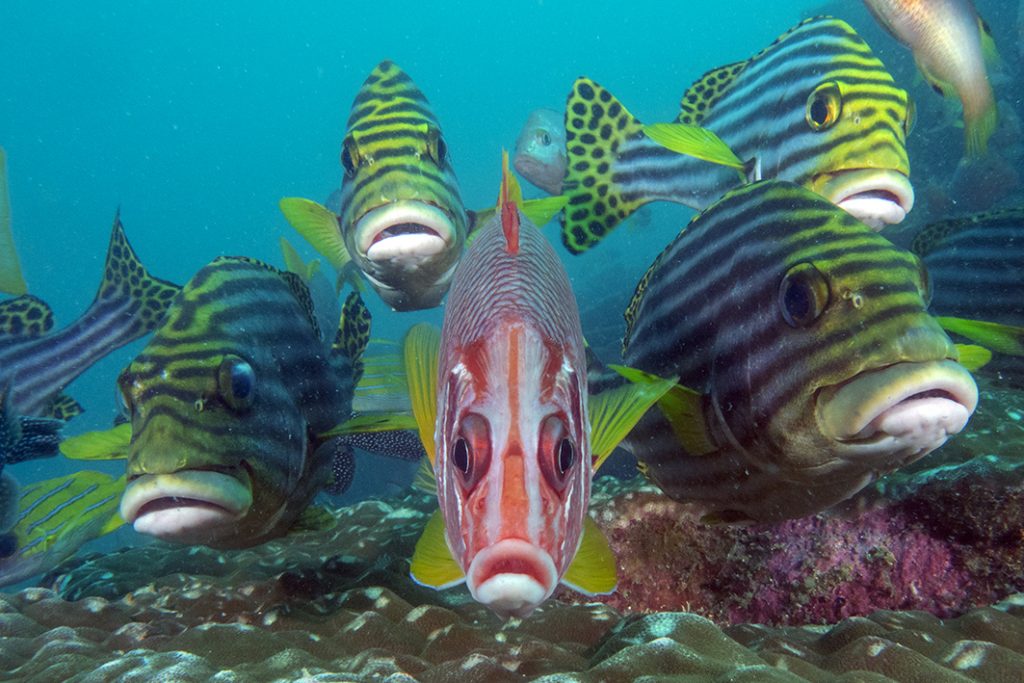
pixel 230 401
pixel 501 403
pixel 816 107
pixel 807 362
pixel 53 518
pixel 951 44
pixel 402 221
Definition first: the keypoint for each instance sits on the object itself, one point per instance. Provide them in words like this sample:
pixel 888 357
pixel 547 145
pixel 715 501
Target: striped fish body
pixel 816 107
pixel 513 462
pixel 806 336
pixel 401 217
pixel 37 363
pixel 225 402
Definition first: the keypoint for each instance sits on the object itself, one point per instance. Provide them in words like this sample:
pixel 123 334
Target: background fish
pixel 540 150
pixel 402 221
pixel 228 401
pixel 504 417
pixel 11 279
pixel 809 363
pixel 816 107
pixel 949 41
pixel 37 363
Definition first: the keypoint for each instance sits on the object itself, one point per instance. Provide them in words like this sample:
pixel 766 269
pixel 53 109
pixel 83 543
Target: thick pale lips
pixel 919 403
pixel 875 198
pixel 408 230
pixel 185 505
pixel 512 577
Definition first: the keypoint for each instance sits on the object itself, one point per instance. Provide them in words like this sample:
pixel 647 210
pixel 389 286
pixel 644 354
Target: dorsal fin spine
pixel 509 209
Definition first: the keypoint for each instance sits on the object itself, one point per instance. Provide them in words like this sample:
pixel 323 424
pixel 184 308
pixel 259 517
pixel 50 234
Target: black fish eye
pixel 349 160
pixel 566 456
pixel 460 456
pixel 236 383
pixel 545 139
pixel 436 147
pixel 824 106
pixel 803 295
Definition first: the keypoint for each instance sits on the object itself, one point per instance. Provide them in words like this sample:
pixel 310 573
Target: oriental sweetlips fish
pixel 807 363
pixel 53 518
pixel 504 419
pixel 816 107
pixel 951 44
pixel 540 150
pixel 37 363
pixel 401 221
pixel 229 401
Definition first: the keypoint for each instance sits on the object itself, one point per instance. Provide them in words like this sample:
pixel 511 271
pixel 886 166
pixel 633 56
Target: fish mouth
pixel 875 197
pixel 405 231
pixel 512 577
pixel 908 408
pixel 186 506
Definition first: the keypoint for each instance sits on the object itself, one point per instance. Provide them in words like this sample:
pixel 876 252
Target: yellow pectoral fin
pixel 684 410
pixel 425 480
pixel 615 412
pixel 694 141
pixel 1008 339
pixel 593 569
pixel 422 346
pixel 110 444
pixel 113 524
pixel 319 226
pixel 432 562
pixel 540 211
pixel 973 357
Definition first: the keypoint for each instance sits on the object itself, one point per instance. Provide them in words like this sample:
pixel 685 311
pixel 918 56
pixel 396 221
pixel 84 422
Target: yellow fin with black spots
pixel 421 349
pixel 697 142
pixel 700 97
pixel 354 332
pixel 592 571
pixel 319 226
pixel 11 279
pixel 615 412
pixel 596 126
pixel 432 562
pixel 108 444
pixel 934 235
pixel 64 407
pixel 973 357
pixel 1008 339
pixel 25 316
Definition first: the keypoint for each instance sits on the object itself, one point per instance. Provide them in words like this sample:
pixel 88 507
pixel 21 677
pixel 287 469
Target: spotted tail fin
pixel 597 127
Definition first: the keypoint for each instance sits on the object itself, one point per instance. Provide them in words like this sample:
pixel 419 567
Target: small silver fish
pixel 540 150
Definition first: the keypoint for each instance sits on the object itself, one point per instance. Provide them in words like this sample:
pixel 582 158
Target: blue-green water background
pixel 195 118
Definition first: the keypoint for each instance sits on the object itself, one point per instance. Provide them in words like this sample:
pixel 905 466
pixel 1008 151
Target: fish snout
pixel 408 231
pixel 875 197
pixel 512 577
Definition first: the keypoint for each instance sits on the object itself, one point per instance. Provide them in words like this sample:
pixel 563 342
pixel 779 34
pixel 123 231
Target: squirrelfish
pixel 229 403
pixel 816 107
pixel 540 150
pixel 402 221
pixel 951 44
pixel 36 363
pixel 807 362
pixel 504 419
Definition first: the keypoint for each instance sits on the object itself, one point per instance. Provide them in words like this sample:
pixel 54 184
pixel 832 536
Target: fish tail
pixel 979 126
pixel 127 286
pixel 597 127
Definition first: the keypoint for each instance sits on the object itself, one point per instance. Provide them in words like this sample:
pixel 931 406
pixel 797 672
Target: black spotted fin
pixel 700 98
pixel 683 408
pixel 421 349
pixel 934 235
pixel 343 466
pixel 1008 339
pixel 64 408
pixel 108 444
pixel 25 316
pixel 26 438
pixel 11 279
pixel 353 332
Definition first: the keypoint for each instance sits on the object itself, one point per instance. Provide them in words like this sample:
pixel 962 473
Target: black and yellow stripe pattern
pixel 240 377
pixel 768 297
pixel 815 102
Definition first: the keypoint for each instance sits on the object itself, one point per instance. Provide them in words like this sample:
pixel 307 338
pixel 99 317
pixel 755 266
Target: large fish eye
pixel 436 147
pixel 543 137
pixel 911 119
pixel 803 295
pixel 824 106
pixel 349 157
pixel 556 451
pixel 236 383
pixel 471 450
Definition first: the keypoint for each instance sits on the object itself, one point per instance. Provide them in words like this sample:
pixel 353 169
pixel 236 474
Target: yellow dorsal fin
pixel 696 142
pixel 109 444
pixel 1008 339
pixel 432 562
pixel 684 410
pixel 593 569
pixel 973 357
pixel 615 412
pixel 319 226
pixel 422 346
pixel 700 98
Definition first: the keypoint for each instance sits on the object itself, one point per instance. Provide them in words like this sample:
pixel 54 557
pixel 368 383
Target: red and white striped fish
pixel 510 442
